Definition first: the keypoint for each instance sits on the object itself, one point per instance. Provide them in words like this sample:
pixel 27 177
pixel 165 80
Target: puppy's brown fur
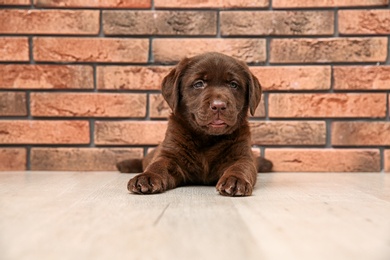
pixel 208 139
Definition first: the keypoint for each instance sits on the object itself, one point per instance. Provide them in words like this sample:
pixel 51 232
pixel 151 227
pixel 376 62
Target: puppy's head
pixel 212 92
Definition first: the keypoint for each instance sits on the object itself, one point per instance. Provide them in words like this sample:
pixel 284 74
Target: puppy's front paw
pixel 234 186
pixel 146 183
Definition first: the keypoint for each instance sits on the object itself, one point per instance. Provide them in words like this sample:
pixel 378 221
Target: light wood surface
pixel 90 215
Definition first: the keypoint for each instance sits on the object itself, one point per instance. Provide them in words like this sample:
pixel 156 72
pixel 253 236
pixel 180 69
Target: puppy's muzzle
pixel 217 106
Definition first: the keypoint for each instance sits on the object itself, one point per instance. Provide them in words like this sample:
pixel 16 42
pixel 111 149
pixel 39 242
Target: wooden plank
pixel 90 215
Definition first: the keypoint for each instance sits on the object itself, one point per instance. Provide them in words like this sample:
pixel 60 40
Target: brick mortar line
pixel 163 64
pixel 382 159
pixel 150 51
pixel 268 51
pixel 28 98
pixel 154 8
pixel 193 36
pixel 388 50
pixel 336 23
pixel 156 119
pixel 28 157
pixel 328 133
pixel 86 146
pixel 92 132
pixel 218 23
pixel 270 5
pixel 288 146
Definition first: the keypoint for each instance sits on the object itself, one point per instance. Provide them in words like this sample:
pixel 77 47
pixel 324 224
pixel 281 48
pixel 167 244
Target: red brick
pixel 329 50
pixel 79 49
pixel 173 50
pixel 129 132
pixel 131 77
pixel 94 3
pixel 13 159
pixel 160 22
pixel 14 49
pixel 277 23
pixel 361 77
pixel 80 159
pixel 210 3
pixel 15 2
pixel 13 104
pixel 327 105
pixel 14 21
pixel 44 132
pixel 326 3
pixel 361 133
pixel 293 77
pixel 364 21
pixel 387 160
pixel 324 160
pixel 14 76
pixel 288 133
pixel 88 105
pixel 159 108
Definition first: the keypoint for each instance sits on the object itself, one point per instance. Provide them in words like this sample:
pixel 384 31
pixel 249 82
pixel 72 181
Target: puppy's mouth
pixel 217 123
pixel 214 125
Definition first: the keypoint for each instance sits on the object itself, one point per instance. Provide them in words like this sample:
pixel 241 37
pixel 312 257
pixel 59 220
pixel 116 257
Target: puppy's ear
pixel 171 84
pixel 254 93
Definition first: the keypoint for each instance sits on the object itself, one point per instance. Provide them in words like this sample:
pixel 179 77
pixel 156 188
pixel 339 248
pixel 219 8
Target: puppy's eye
pixel 233 84
pixel 198 84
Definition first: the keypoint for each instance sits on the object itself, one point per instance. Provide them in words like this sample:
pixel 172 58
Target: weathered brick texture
pixel 326 3
pixel 131 77
pixel 289 133
pixel 80 159
pixel 13 159
pixel 387 160
pixel 88 105
pixel 15 2
pixel 14 49
pixel 44 132
pixel 325 160
pixel 80 80
pixel 327 105
pixel 293 78
pixel 361 77
pixel 90 49
pixel 364 21
pixel 159 23
pixel 129 133
pixel 210 3
pixel 49 22
pixel 361 133
pixel 94 3
pixel 13 104
pixel 329 50
pixel 277 23
pixel 173 50
pixel 14 76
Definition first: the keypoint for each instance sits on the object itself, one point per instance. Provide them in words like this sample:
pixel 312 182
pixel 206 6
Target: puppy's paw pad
pixel 234 186
pixel 146 183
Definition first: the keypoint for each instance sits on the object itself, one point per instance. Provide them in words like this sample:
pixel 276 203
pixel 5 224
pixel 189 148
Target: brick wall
pixel 79 79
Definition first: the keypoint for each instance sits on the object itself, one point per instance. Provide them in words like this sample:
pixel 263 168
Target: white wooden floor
pixel 90 215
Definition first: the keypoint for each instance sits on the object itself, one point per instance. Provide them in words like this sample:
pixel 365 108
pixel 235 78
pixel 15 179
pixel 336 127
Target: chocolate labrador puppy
pixel 208 139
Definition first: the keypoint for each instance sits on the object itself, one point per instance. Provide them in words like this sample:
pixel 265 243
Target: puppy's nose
pixel 217 105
